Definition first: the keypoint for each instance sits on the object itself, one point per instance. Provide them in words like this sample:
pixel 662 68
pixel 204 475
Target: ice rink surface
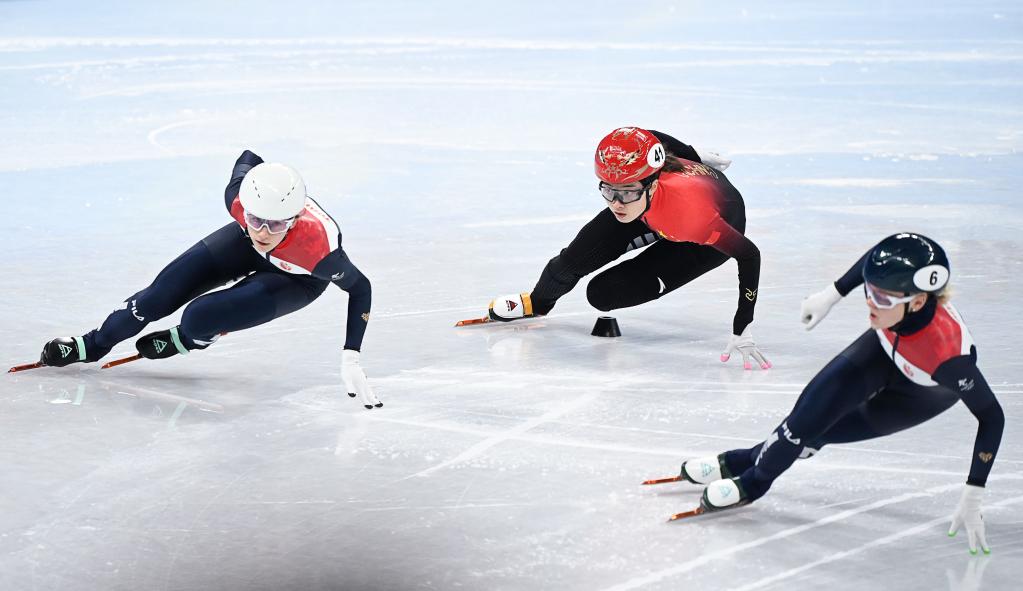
pixel 453 142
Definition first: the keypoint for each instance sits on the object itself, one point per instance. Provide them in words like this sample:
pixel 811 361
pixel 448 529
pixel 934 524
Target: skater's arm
pixel 676 147
pixel 602 240
pixel 339 269
pixel 729 241
pixel 961 375
pixel 360 299
pixel 244 163
pixel 853 278
pixel 816 306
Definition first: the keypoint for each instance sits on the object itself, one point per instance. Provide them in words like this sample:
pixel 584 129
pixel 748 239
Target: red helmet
pixel 627 155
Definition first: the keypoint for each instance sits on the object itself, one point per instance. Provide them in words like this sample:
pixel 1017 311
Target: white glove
pixel 744 344
pixel 713 159
pixel 968 514
pixel 355 379
pixel 815 307
pixel 511 307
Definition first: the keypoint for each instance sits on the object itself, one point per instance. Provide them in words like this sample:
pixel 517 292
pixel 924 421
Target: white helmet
pixel 273 191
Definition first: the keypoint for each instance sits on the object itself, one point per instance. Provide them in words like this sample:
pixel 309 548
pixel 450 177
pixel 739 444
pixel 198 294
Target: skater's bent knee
pixel 598 297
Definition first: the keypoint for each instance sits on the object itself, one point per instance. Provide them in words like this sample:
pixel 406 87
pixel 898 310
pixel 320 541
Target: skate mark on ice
pixel 695 435
pixel 658 451
pixel 152 135
pixel 178 547
pixel 458 505
pixel 354 429
pixel 944 520
pixel 641 582
pixel 599 426
pixel 514 432
pixel 536 221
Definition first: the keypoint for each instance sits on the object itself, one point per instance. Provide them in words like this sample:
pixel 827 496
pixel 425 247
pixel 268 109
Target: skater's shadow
pixel 170 410
pixel 972 576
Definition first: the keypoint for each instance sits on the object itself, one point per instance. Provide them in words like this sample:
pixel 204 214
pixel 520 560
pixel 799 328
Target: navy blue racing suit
pixel 885 381
pixel 270 285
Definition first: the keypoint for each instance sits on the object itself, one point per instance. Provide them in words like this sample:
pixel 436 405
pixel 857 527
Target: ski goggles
pixel 624 196
pixel 883 300
pixel 273 226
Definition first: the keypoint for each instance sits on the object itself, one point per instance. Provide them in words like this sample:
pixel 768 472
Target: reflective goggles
pixel 273 226
pixel 624 196
pixel 883 300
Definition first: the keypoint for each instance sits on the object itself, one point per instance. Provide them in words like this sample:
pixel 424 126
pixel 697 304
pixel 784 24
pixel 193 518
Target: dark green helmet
pixel 907 263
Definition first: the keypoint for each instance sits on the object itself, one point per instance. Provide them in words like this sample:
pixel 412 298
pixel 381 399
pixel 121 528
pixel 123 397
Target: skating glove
pixel 968 514
pixel 511 307
pixel 815 307
pixel 355 379
pixel 744 344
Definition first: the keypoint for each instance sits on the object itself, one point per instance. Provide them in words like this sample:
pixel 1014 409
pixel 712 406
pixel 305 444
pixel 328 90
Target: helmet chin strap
pixel 649 202
pixel 914 321
pixel 646 194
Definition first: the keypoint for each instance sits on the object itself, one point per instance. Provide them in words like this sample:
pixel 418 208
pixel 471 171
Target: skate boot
pixel 723 494
pixel 63 351
pixel 161 344
pixel 705 470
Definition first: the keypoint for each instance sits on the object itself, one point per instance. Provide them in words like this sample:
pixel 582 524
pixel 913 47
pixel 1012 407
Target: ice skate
pixel 63 351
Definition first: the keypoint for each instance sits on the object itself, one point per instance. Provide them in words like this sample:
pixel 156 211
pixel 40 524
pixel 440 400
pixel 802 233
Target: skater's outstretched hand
pixel 744 344
pixel 815 307
pixel 713 159
pixel 968 514
pixel 355 379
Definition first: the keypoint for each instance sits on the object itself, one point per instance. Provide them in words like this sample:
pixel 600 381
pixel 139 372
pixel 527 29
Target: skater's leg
pixel 257 299
pixel 832 393
pixel 214 261
pixel 658 270
pixel 739 460
pixel 896 408
pixel 602 240
pixel 854 376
